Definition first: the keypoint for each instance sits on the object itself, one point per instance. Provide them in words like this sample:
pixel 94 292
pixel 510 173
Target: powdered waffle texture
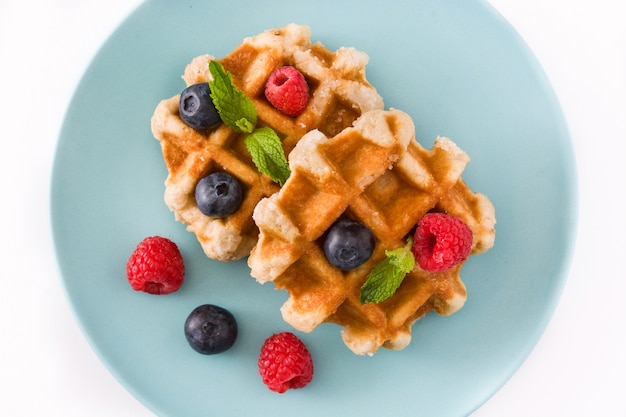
pixel 339 94
pixel 375 173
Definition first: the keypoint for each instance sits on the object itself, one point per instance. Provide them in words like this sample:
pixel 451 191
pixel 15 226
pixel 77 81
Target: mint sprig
pixel 385 278
pixel 267 154
pixel 237 111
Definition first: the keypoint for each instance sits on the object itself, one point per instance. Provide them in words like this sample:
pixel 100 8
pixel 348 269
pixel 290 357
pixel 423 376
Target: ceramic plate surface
pixel 457 68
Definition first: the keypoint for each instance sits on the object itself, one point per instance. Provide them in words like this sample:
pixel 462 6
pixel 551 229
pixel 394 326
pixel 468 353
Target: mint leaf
pixel 385 278
pixel 267 154
pixel 235 108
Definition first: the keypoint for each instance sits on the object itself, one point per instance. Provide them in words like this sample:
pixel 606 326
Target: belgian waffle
pixel 353 175
pixel 339 94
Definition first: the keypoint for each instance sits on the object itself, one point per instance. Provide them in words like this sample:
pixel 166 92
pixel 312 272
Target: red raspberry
pixel 155 266
pixel 285 363
pixel 287 90
pixel 441 242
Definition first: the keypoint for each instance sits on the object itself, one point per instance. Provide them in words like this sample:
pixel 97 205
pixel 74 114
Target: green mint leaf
pixel 267 154
pixel 235 108
pixel 385 278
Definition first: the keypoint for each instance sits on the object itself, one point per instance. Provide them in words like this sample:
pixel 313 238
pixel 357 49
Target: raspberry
pixel 441 242
pixel 285 362
pixel 155 266
pixel 287 90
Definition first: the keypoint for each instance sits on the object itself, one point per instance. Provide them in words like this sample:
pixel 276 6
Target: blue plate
pixel 457 68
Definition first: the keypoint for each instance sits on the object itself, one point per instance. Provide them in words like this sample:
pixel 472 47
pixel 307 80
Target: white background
pixel 46 366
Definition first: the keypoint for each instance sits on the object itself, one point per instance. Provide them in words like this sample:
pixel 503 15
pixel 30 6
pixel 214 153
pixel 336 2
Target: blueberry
pixel 219 194
pixel 348 244
pixel 196 107
pixel 210 329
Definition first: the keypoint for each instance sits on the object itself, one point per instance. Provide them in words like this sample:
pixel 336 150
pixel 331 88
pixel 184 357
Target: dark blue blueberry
pixel 348 244
pixel 219 194
pixel 196 107
pixel 210 329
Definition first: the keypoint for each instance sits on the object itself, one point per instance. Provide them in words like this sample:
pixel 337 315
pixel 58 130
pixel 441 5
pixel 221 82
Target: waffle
pixel 350 175
pixel 339 94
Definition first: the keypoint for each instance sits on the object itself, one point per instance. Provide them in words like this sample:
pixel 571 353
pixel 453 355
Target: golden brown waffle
pixel 351 175
pixel 339 94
